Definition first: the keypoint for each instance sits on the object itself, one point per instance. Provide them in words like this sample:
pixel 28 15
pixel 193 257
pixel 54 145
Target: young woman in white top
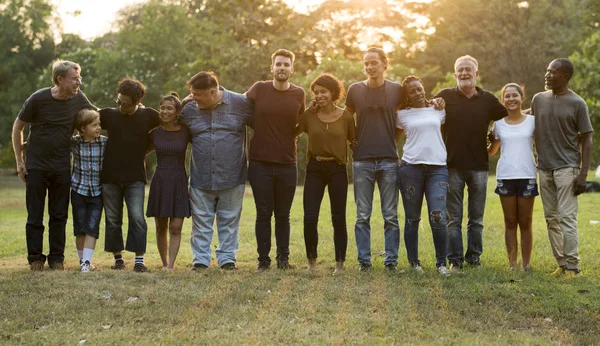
pixel 516 173
pixel 423 171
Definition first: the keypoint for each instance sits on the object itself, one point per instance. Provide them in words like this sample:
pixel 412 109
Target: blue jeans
pixel 87 212
pixel 226 206
pixel 112 195
pixel 273 187
pixel 385 173
pixel 415 181
pixel 476 182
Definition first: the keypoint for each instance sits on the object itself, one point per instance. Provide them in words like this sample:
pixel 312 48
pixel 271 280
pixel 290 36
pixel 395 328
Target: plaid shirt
pixel 87 165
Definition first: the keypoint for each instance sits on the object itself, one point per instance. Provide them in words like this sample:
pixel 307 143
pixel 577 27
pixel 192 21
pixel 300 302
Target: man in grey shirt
pixel 561 122
pixel 218 173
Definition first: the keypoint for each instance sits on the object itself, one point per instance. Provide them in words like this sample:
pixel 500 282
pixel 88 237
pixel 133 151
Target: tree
pixel 513 40
pixel 586 83
pixel 26 48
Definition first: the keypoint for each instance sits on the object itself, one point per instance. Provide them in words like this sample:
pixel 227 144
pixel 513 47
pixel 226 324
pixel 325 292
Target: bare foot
pixel 312 264
pixel 339 268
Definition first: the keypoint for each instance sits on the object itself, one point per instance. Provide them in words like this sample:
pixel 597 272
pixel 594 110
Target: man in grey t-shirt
pixel 561 122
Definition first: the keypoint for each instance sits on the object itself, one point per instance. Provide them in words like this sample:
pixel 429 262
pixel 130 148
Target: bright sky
pixel 91 18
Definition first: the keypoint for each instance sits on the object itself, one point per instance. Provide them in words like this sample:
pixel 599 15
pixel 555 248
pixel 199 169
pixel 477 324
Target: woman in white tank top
pixel 516 173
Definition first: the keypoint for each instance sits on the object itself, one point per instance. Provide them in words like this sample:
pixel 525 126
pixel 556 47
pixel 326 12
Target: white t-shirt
pixel 516 145
pixel 424 144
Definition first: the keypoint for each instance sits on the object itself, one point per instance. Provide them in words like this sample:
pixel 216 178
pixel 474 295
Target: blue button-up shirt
pixel 219 141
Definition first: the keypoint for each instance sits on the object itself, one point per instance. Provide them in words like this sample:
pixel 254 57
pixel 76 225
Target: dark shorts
pixel 87 212
pixel 524 188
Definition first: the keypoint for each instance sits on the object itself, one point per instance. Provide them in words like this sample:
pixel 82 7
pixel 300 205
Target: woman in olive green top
pixel 329 131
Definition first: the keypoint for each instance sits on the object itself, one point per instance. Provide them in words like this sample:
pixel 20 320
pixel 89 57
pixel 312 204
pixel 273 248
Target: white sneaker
pixel 418 269
pixel 85 267
pixel 443 270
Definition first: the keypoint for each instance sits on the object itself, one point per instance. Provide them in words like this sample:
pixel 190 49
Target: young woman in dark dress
pixel 168 200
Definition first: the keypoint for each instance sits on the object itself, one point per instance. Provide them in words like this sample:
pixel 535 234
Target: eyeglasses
pixel 77 79
pixel 379 106
pixel 123 105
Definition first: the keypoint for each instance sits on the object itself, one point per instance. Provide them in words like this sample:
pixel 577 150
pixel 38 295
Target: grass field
pixel 490 305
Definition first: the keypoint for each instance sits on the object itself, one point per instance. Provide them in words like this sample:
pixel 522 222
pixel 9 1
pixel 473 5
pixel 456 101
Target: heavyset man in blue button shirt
pixel 216 118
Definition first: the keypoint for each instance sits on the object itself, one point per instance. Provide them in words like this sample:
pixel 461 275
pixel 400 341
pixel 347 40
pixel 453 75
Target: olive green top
pixel 328 139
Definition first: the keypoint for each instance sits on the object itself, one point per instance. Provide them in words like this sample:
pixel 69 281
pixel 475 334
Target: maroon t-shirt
pixel 277 112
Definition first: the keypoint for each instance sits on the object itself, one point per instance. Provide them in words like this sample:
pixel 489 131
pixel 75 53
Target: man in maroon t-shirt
pixel 278 105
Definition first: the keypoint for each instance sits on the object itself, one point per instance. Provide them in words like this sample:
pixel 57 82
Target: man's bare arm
pixel 17 142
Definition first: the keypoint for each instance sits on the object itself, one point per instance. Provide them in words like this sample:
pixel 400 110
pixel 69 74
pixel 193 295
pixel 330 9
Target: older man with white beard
pixel 469 111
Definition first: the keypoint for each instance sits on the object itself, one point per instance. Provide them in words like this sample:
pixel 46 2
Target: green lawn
pixel 489 305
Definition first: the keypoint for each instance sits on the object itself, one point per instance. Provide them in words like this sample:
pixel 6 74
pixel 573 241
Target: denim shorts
pixel 524 188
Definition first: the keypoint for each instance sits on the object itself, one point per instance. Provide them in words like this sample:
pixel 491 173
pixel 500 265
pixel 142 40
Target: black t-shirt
pixel 466 127
pixel 125 156
pixel 51 128
pixel 376 110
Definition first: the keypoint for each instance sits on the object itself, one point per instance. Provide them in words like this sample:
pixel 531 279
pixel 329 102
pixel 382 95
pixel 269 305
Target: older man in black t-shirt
pixel 123 174
pixel 46 169
pixel 469 111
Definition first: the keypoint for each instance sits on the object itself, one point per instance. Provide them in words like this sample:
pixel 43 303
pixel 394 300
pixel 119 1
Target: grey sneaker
pixel 443 271
pixel 417 268
pixel 85 267
pixel 454 268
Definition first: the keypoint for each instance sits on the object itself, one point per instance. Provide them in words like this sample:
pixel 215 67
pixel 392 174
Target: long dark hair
pixel 405 101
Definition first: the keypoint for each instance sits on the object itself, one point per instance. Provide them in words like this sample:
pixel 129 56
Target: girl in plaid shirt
pixel 86 199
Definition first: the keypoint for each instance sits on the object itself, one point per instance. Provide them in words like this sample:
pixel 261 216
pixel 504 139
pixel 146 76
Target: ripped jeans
pixel 414 181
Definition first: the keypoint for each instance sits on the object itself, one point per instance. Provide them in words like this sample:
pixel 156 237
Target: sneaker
pixel 85 267
pixel 417 268
pixel 284 265
pixel 572 273
pixel 140 268
pixel 229 266
pixel 263 267
pixel 119 265
pixel 56 266
pixel 391 267
pixel 443 271
pixel 365 268
pixel 36 266
pixel 199 266
pixel 559 271
pixel 455 268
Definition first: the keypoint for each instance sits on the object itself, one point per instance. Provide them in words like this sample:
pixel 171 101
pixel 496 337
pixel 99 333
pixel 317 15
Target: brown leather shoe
pixel 56 266
pixel 36 266
pixel 119 265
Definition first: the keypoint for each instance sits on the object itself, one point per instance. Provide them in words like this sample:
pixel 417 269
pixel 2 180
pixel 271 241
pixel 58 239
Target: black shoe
pixel 284 265
pixel 475 263
pixel 140 268
pixel 365 268
pixel 391 267
pixel 199 266
pixel 229 266
pixel 263 267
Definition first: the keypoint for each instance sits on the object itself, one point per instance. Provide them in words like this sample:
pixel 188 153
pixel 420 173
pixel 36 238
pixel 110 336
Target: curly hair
pixel 133 88
pixel 405 101
pixel 331 83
